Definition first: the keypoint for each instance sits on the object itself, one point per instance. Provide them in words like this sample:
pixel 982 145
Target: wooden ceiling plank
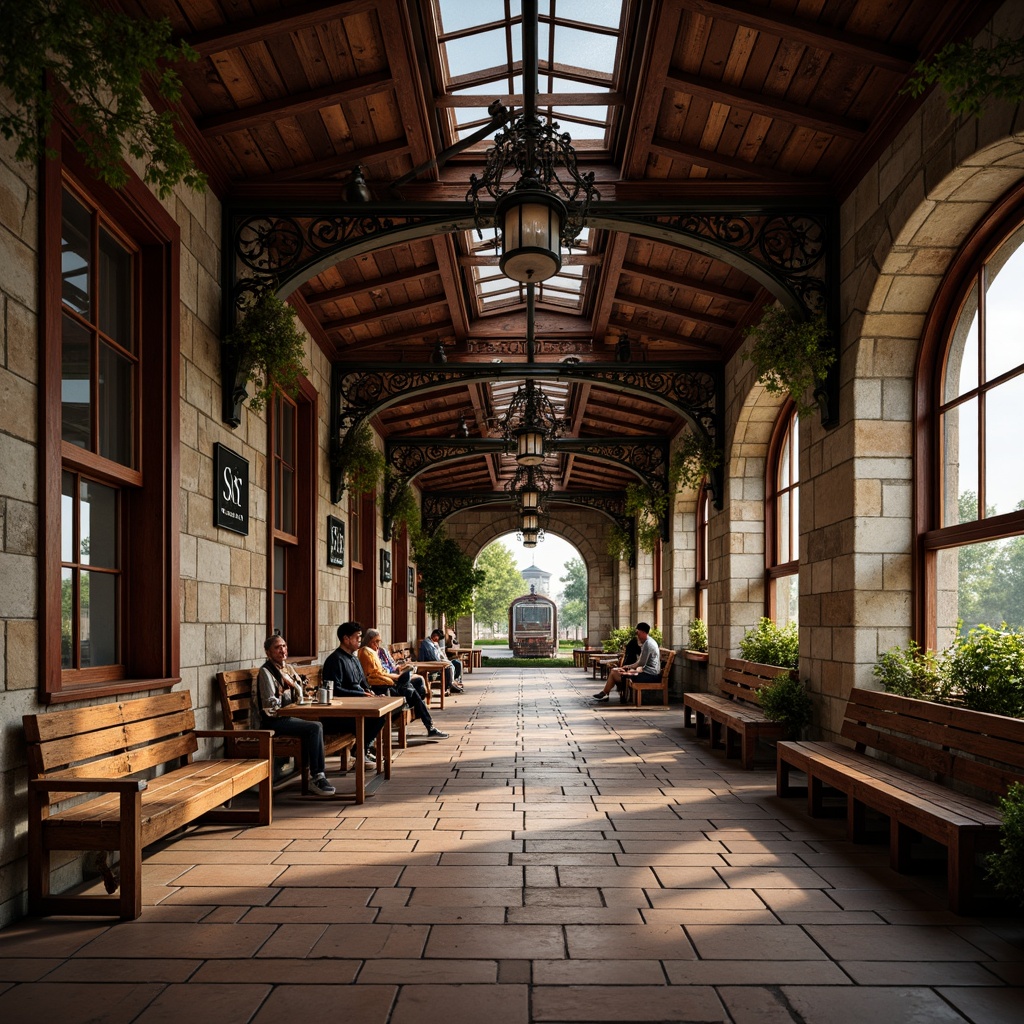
pixel 615 256
pixel 717 161
pixel 667 309
pixel 365 319
pixel 444 253
pixel 684 343
pixel 657 275
pixel 351 291
pixel 259 28
pixel 860 49
pixel 392 340
pixel 295 104
pixel 335 164
pixel 771 106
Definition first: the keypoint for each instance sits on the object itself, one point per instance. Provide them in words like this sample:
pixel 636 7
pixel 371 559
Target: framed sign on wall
pixel 385 566
pixel 335 541
pixel 412 580
pixel 231 490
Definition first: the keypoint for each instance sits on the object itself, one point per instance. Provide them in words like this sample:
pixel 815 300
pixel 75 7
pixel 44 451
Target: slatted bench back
pixel 111 741
pixel 401 650
pixel 741 680
pixel 951 744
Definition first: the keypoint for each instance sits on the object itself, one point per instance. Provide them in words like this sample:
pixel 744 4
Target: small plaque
pixel 335 541
pixel 231 490
pixel 412 580
pixel 385 565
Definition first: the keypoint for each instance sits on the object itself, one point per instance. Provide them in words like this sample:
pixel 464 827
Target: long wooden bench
pixel 944 746
pixel 402 652
pixel 235 690
pixel 733 719
pixel 637 690
pixel 102 750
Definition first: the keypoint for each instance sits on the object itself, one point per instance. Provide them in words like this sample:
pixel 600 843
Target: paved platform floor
pixel 554 861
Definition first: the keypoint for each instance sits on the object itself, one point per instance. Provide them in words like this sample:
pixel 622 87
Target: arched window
pixel 782 519
pixel 971 377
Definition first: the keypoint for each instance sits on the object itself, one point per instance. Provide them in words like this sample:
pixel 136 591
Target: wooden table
pixel 471 657
pixel 580 655
pixel 360 709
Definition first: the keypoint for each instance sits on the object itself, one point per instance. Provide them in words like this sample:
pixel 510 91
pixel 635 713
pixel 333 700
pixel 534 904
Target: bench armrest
pixel 81 784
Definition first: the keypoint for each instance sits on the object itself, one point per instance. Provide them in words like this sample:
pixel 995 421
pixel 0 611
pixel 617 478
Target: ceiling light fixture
pixel 529 424
pixel 531 173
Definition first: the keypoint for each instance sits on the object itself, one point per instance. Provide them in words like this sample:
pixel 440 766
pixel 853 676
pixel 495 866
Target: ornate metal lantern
pixel 529 423
pixel 529 488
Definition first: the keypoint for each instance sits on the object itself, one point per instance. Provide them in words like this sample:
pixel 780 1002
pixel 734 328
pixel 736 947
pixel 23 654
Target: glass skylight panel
pixel 582 49
pixel 459 14
pixel 589 12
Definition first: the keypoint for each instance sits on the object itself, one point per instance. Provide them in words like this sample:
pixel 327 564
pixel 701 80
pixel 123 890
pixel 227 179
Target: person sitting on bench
pixel 646 669
pixel 343 672
pixel 432 650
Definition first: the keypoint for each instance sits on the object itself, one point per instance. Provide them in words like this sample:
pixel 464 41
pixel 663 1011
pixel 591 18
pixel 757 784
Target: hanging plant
pixel 620 544
pixel 268 347
pixel 791 356
pixel 399 507
pixel 695 458
pixel 362 462
pixel 649 508
pixel 969 76
pixel 98 59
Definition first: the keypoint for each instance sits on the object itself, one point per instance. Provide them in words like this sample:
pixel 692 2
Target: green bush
pixel 913 672
pixel 771 645
pixel 1006 868
pixel 986 670
pixel 698 639
pixel 785 700
pixel 618 638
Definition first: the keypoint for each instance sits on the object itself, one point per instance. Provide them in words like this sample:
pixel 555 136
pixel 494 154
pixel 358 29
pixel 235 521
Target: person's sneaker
pixel 436 734
pixel 369 757
pixel 602 696
pixel 320 786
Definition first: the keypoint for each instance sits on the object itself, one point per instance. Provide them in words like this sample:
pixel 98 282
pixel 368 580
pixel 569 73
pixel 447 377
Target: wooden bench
pixel 734 717
pixel 235 690
pixel 637 690
pixel 401 651
pixel 101 750
pixel 944 745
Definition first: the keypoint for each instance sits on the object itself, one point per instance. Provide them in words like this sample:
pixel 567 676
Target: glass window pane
pixel 962 356
pixel 794 512
pixel 67 618
pixel 1004 482
pixel 115 291
pixel 782 511
pixel 787 600
pixel 980 583
pixel 75 396
pixel 75 262
pixel 288 432
pixel 99 619
pixel 116 402
pixel 783 478
pixel 457 14
pixel 960 463
pixel 594 12
pixel 794 446
pixel 581 49
pixel 279 566
pixel 1004 310
pixel 67 517
pixel 278 622
pixel 287 500
pixel 98 525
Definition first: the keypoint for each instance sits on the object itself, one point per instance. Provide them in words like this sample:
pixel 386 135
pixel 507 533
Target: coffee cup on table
pixel 323 695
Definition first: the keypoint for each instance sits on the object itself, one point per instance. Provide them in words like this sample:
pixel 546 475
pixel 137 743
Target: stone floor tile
pixel 734 942
pixel 988 1005
pixel 280 971
pixel 628 942
pixel 893 942
pixel 917 972
pixel 429 972
pixel 556 897
pixel 596 1003
pixel 598 972
pixel 462 1004
pixel 28 969
pixel 819 1005
pixel 77 1002
pixel 341 914
pixel 607 877
pixel 450 877
pixel 367 1004
pixel 135 939
pixel 292 940
pixel 772 878
pixel 224 876
pixel 441 915
pixel 753 1005
pixel 494 942
pixel 236 896
pixel 199 1003
pixel 351 874
pixel 574 915
pixel 688 916
pixel 371 940
pixel 755 972
pixel 47 938
pixel 705 899
pixel 480 896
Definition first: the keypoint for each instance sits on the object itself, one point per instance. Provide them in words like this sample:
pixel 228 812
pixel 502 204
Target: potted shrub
pixel 792 356
pixel 697 642
pixel 1006 867
pixel 914 672
pixel 785 700
pixel 266 349
pixel 769 644
pixel 986 670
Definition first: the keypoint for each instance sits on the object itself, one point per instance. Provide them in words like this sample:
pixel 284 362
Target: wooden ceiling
pixel 706 100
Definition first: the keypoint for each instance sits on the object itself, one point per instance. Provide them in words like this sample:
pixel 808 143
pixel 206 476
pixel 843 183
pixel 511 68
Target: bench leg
pixel 748 746
pixel 856 827
pixel 130 850
pixel 38 856
pixel 813 796
pixel 715 732
pixel 687 715
pixel 702 723
pixel 782 784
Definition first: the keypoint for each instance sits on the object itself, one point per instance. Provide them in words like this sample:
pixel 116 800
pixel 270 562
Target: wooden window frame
pixel 1005 217
pixel 149 491
pixel 774 493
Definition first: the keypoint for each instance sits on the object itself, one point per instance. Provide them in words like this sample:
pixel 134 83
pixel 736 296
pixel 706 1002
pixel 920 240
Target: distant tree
pixel 448 577
pixel 990 575
pixel 573 610
pixel 503 583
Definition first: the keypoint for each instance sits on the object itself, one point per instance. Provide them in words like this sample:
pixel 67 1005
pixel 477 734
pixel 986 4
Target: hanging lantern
pixel 530 221
pixel 530 522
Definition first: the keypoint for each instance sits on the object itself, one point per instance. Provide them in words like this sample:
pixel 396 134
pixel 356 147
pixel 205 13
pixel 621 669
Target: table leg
pixel 360 753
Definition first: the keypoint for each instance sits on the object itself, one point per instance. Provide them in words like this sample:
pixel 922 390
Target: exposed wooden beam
pixel 276 23
pixel 784 26
pixel 704 158
pixel 424 334
pixel 618 244
pixel 544 99
pixel 667 309
pixel 383 314
pixel 444 253
pixel 769 106
pixel 294 105
pixel 699 347
pixel 336 164
pixel 696 284
pixel 351 291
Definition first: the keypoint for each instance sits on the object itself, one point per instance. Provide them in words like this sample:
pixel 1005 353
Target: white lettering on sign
pixel 232 491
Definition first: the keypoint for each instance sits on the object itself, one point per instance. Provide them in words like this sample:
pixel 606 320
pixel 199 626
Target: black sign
pixel 385 566
pixel 231 490
pixel 335 541
pixel 412 580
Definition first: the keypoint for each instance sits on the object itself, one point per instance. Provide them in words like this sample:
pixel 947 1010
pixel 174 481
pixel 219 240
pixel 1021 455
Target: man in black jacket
pixel 344 673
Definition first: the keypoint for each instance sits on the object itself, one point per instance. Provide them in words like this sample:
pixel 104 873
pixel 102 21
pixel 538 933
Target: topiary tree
pixel 448 577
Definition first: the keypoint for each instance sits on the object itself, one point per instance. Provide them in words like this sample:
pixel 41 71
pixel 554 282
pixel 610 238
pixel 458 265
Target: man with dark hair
pixel 344 673
pixel 646 668
pixel 431 649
